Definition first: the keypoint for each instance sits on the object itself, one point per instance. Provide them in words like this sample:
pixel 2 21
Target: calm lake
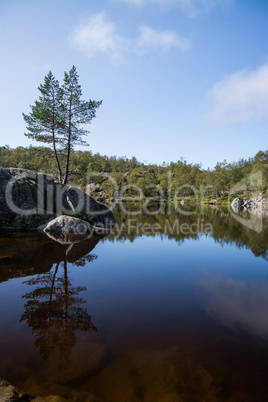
pixel 170 306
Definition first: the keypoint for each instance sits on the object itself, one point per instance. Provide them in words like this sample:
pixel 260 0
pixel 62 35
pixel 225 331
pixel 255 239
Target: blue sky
pixel 178 78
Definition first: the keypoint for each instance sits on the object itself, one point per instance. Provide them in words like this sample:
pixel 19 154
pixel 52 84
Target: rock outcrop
pixel 29 199
pixel 256 205
pixel 237 205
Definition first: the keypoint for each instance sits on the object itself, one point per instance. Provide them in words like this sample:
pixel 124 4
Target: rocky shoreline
pixel 256 205
pixel 30 200
pixel 9 393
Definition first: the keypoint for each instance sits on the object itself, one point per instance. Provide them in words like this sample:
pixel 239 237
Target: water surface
pixel 149 313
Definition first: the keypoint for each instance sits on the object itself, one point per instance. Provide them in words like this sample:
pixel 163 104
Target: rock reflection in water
pixel 24 254
pixel 54 307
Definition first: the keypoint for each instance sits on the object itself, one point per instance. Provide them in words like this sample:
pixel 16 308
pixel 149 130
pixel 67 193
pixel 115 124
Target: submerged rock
pixel 29 199
pixel 9 393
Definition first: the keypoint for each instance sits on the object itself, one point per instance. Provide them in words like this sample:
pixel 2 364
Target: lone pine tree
pixel 57 118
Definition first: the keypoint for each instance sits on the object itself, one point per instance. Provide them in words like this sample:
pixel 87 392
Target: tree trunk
pixel 68 146
pixel 56 157
pixel 52 285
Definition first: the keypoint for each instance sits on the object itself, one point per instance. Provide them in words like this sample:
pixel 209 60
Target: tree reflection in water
pixel 54 310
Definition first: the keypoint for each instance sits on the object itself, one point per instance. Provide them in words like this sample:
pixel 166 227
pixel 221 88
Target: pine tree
pixel 57 118
pixel 46 120
pixel 77 112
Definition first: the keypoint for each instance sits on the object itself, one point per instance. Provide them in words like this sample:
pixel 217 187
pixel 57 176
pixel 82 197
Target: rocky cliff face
pixel 29 199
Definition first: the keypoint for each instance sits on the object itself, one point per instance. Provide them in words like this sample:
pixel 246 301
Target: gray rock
pixel 212 202
pixel 9 393
pixel 95 188
pixel 29 199
pixel 68 225
pixel 257 205
pixel 247 205
pixel 237 205
pixel 72 228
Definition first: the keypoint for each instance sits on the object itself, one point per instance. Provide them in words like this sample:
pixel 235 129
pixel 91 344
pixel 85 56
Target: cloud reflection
pixel 237 304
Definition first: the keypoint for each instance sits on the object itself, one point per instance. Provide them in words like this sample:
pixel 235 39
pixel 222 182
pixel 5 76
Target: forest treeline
pixel 107 176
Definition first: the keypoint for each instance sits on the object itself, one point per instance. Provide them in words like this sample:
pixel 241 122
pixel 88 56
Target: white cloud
pixel 192 8
pixel 99 35
pixel 150 37
pixel 240 97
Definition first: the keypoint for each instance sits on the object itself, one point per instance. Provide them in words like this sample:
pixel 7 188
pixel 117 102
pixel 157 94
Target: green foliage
pixel 45 123
pixel 58 118
pixel 76 113
pixel 115 175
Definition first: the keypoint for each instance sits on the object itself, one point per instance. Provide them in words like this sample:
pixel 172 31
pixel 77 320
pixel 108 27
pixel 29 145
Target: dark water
pixel 168 307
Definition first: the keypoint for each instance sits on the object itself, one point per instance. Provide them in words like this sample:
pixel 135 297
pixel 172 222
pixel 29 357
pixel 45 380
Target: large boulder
pixel 237 205
pixel 29 199
pixel 70 225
